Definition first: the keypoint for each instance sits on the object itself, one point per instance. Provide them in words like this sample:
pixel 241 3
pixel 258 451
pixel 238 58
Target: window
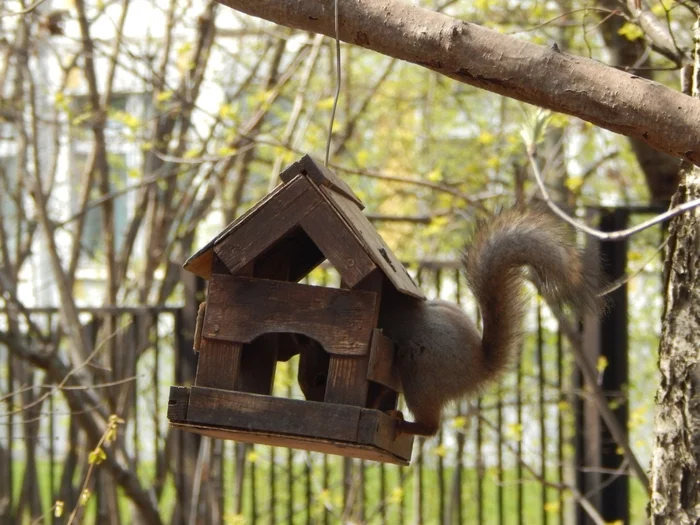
pixel 8 194
pixel 92 231
pixel 123 155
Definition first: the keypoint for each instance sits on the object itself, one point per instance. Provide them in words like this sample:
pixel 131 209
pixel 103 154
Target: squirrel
pixel 439 353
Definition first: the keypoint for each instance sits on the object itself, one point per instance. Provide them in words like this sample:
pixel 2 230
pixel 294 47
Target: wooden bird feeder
pixel 257 313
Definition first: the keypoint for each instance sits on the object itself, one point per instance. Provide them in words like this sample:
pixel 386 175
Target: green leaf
pixel 631 31
pixel 97 456
pixel 164 96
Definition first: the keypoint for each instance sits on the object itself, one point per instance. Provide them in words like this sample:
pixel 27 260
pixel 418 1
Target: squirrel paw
pixel 415 428
pixel 396 414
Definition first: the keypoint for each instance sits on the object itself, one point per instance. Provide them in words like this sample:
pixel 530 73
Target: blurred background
pixel 133 131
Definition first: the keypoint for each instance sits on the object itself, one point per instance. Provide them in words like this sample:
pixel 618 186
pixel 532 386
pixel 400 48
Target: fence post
pixel 600 466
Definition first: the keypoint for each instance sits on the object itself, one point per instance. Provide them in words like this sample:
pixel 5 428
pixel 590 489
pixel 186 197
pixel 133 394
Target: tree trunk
pixel 661 171
pixel 675 463
pixel 675 481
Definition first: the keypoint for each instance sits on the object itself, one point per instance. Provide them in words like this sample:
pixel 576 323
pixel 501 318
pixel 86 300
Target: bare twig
pixel 590 376
pixel 24 11
pixel 606 236
pixel 629 276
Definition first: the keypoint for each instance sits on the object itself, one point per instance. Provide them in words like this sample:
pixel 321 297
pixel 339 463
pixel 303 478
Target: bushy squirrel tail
pixel 501 249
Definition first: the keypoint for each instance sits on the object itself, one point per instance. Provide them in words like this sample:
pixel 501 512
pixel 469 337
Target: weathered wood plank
pixel 324 446
pixel 347 380
pixel 270 223
pixel 177 404
pixel 347 376
pixel 321 176
pixel 373 244
pixel 250 418
pixel 338 243
pixel 240 309
pixel 378 429
pixel 200 263
pixel 381 362
pixel 219 364
pixel 271 414
pixel 384 378
pixel 218 266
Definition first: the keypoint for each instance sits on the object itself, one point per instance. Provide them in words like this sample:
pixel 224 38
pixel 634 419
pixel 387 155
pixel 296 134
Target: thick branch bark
pixel 665 119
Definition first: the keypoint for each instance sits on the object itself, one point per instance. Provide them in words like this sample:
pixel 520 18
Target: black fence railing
pixel 510 456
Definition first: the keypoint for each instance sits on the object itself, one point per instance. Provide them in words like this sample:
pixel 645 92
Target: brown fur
pixel 441 356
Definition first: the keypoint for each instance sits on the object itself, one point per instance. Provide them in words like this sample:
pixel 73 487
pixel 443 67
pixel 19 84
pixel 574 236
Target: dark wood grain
pixel 219 364
pixel 313 444
pixel 200 263
pixel 177 404
pixel 338 243
pixel 267 414
pixel 347 380
pixel 381 362
pixel 219 361
pixel 240 309
pixel 269 224
pixel 379 429
pixel 327 428
pixel 321 176
pixel 373 244
pixel 347 376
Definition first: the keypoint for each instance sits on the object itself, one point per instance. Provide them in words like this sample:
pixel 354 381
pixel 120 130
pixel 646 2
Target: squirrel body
pixel 440 354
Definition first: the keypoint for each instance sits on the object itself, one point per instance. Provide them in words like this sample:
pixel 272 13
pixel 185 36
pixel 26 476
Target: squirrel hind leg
pixel 424 425
pixel 416 428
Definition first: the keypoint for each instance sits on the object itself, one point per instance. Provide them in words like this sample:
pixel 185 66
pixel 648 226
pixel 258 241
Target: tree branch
pixel 93 424
pixel 663 118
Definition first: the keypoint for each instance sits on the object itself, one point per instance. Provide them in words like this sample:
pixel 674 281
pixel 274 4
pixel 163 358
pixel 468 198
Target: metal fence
pixel 508 456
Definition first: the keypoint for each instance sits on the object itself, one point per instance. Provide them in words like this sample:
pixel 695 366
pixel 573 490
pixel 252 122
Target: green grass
pixel 400 498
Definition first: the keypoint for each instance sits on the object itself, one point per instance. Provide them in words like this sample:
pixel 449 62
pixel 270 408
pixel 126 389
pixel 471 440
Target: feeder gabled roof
pixel 315 200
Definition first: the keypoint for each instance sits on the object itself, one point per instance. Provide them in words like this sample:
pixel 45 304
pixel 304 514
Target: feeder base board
pixel 308 425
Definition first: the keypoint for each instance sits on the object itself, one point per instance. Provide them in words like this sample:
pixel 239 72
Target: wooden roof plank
pixel 338 243
pixel 267 225
pixel 340 230
pixel 373 244
pixel 322 176
pixel 199 263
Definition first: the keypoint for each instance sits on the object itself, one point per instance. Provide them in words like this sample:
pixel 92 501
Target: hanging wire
pixel 337 87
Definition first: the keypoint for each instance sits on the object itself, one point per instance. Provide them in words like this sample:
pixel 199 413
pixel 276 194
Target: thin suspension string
pixel 337 87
